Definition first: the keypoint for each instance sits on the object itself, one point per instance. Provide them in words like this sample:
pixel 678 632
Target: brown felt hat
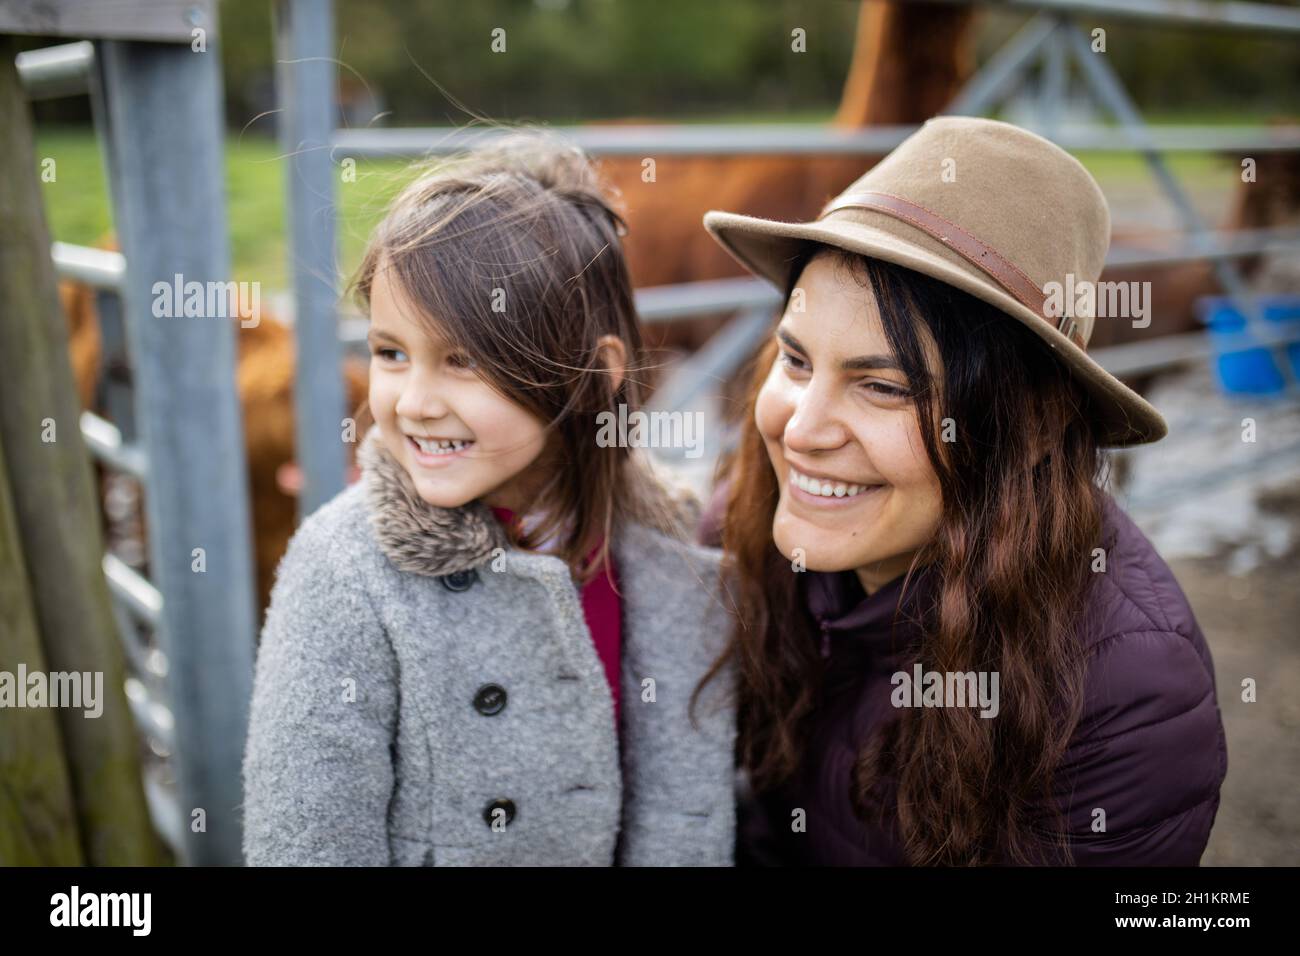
pixel 987 207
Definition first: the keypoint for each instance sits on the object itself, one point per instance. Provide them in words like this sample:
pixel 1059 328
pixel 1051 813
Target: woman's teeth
pixel 826 489
pixel 433 446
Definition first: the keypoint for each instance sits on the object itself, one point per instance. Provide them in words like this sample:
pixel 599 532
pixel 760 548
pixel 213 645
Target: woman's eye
pixel 885 390
pixel 390 355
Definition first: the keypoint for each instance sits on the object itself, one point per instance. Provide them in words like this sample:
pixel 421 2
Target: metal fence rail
pixel 1206 14
pixel 786 139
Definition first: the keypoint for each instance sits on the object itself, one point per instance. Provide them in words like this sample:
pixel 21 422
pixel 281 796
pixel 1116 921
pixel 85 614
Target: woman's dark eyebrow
pixel 859 363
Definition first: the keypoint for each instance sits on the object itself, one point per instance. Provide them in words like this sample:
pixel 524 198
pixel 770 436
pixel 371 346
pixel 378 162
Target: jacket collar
pixel 849 620
pixel 424 539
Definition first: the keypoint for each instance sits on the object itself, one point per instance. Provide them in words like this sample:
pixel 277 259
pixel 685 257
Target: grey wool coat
pixel 428 695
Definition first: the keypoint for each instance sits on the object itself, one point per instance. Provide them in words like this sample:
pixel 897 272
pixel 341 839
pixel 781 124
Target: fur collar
pixel 416 536
pixel 424 539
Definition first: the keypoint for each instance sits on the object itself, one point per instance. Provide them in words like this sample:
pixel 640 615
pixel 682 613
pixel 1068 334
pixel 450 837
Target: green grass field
pixel 78 208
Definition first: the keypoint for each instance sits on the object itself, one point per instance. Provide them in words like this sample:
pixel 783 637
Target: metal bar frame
pixel 1104 82
pixel 1210 14
pixel 55 71
pixel 306 78
pixel 165 136
pixel 416 142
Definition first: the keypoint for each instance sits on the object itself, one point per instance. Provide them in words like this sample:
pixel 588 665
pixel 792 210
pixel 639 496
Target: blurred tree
pixel 573 60
pixel 566 60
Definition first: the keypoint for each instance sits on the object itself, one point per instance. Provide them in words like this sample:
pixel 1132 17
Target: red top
pixel 602 610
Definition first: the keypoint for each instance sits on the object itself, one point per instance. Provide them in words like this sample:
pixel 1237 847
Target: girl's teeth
pixel 825 489
pixel 433 447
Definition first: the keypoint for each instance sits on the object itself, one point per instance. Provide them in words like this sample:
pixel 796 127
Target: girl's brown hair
pixel 512 254
pixel 1006 575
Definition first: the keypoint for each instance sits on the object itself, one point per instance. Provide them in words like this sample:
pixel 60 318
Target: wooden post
pixel 56 518
pixel 38 822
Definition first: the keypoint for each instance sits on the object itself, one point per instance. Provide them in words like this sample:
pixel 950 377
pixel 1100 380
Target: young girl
pixel 955 648
pixel 485 651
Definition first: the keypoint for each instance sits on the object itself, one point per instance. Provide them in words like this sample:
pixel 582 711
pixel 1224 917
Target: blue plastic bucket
pixel 1252 370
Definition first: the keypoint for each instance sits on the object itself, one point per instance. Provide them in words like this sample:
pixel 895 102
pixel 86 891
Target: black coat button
pixel 507 808
pixel 459 580
pixel 490 700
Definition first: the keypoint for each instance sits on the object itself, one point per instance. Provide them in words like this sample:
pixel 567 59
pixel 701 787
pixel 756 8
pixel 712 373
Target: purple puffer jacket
pixel 1149 749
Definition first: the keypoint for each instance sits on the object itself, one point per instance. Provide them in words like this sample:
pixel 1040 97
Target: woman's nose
pixel 814 423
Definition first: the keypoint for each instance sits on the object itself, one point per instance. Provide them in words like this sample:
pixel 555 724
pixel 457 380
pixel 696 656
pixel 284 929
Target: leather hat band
pixel 1000 269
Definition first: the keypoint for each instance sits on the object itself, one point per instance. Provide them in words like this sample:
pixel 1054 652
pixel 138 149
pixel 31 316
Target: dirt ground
pixel 1252 624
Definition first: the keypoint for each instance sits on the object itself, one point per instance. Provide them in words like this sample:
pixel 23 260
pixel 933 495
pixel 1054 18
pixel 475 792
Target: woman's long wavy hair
pixel 1007 572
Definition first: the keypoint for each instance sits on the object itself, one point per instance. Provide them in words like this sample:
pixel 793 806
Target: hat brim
pixel 768 247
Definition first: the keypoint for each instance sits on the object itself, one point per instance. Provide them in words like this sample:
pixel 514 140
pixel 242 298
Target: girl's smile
pixel 436 452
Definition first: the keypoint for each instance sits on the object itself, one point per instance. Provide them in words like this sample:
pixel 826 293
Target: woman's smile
pixel 827 492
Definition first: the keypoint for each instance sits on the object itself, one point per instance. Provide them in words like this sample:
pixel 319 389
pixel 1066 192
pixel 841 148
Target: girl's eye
pixel 390 355
pixel 793 362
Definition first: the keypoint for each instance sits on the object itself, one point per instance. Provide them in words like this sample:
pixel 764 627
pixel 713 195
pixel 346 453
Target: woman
pixel 954 648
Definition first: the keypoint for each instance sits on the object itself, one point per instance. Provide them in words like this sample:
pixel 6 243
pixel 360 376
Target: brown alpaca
pixel 264 378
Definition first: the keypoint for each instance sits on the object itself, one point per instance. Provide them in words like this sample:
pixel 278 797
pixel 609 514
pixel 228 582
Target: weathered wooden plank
pixel 54 506
pixel 38 821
